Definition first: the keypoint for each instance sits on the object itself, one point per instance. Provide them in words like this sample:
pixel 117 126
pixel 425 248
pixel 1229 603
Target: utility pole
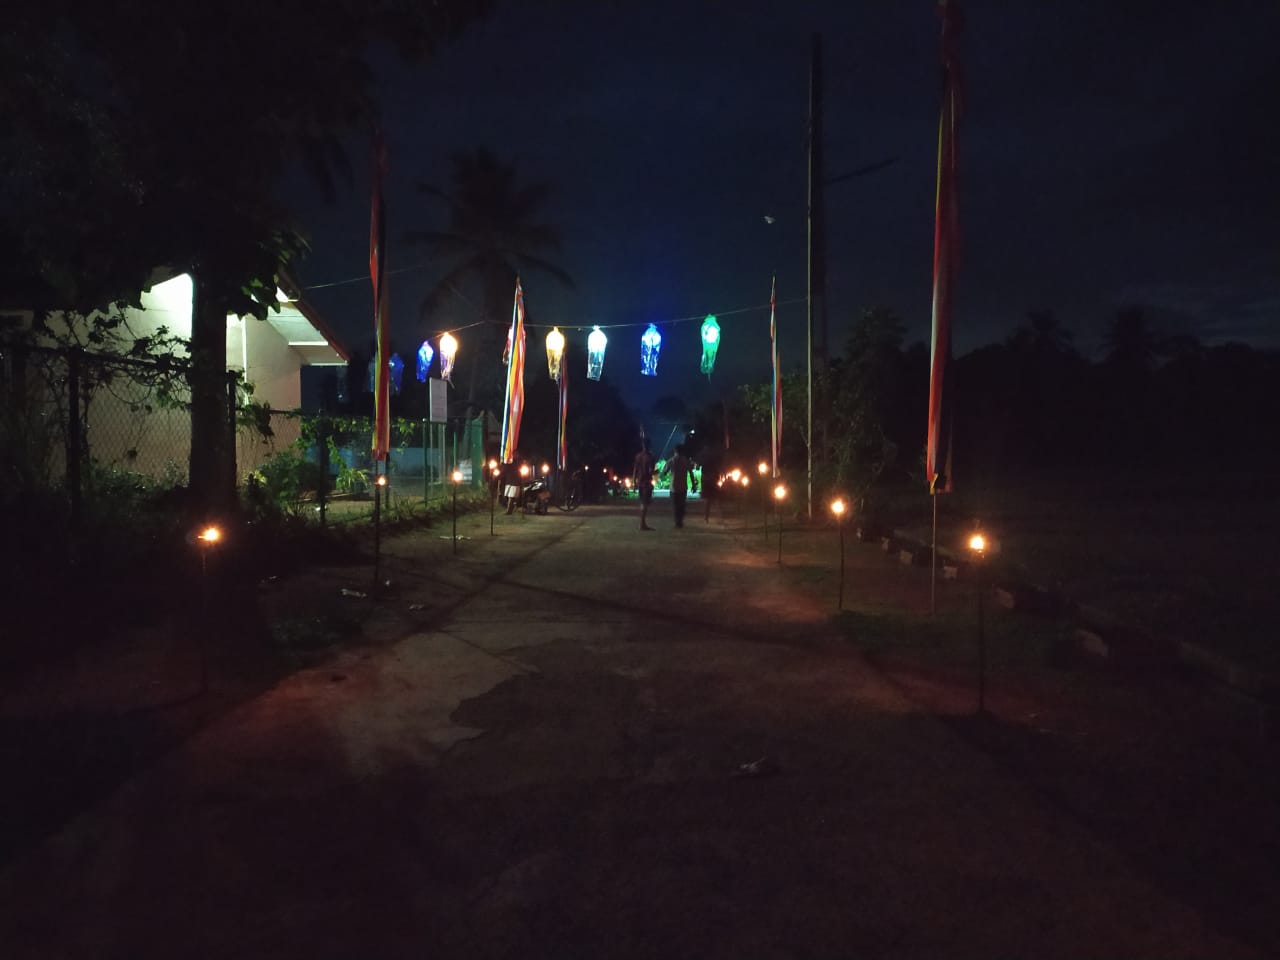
pixel 817 332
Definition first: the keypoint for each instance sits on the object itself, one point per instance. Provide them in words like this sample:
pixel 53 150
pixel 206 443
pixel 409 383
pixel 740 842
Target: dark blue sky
pixel 1110 153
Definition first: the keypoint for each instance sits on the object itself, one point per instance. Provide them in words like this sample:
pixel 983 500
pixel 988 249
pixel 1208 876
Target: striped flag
pixel 946 239
pixel 776 418
pixel 377 273
pixel 514 407
pixel 562 446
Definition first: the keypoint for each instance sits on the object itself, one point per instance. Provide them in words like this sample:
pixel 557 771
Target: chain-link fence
pixel 77 428
pixel 320 466
pixel 75 422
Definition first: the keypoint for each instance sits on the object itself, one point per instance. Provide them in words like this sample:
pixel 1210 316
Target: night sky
pixel 1110 153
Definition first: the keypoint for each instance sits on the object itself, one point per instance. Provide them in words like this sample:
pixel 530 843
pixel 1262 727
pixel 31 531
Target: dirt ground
pixel 574 739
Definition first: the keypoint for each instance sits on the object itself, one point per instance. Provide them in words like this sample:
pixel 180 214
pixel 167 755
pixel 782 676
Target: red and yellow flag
pixel 378 273
pixel 946 240
pixel 514 407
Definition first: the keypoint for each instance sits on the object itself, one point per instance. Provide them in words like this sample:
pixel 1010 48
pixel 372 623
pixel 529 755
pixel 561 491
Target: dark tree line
pixel 1031 403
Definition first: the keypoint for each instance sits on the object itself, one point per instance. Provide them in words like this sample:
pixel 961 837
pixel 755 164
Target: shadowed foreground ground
pixel 533 752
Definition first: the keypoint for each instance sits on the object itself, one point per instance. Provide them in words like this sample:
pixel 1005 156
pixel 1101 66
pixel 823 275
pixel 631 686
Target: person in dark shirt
pixel 642 478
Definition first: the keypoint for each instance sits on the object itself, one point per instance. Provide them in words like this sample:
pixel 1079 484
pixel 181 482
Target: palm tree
pixel 493 236
pixel 1132 346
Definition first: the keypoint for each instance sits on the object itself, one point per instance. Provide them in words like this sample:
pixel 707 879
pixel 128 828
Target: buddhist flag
pixel 776 404
pixel 562 445
pixel 377 273
pixel 946 238
pixel 514 407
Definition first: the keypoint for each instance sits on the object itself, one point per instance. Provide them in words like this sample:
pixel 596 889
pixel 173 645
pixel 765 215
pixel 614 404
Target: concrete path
pixel 539 752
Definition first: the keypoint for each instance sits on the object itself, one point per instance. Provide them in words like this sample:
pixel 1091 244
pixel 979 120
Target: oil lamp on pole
pixel 779 494
pixel 977 545
pixel 208 538
pixel 762 468
pixel 379 484
pixel 838 510
pixel 456 477
pixel 493 494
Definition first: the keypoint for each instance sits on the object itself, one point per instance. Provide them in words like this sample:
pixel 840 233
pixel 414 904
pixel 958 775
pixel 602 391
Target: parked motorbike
pixel 536 496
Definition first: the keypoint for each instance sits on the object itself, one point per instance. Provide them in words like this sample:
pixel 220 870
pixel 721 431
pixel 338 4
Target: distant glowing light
pixel 596 343
pixel 524 469
pixel 448 353
pixel 382 480
pixel 546 468
pixel 209 535
pixel 762 468
pixel 977 543
pixel 780 492
pixel 838 507
pixel 650 344
pixel 456 476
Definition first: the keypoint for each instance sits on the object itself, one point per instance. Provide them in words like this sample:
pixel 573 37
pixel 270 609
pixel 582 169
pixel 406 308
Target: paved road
pixel 534 754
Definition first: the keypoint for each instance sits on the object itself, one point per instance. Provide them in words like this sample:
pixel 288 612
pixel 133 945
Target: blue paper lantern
pixel 425 356
pixel 596 342
pixel 650 344
pixel 396 366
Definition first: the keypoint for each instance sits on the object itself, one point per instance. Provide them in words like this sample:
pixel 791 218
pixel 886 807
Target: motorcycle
pixel 531 497
pixel 536 496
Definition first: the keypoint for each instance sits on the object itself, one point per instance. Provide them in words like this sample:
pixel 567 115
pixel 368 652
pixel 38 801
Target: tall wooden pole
pixel 816 267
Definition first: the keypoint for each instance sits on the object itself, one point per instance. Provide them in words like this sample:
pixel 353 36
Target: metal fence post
pixel 322 454
pixel 231 436
pixel 74 437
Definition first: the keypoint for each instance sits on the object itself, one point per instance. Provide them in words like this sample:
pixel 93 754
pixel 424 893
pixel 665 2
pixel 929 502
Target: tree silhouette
pixel 493 235
pixel 186 125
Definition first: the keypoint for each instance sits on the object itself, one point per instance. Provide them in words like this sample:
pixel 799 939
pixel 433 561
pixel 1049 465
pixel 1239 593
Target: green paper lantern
pixel 710 343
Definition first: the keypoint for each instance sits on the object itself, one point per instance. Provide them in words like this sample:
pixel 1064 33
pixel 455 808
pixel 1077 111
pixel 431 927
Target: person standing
pixel 642 477
pixel 678 468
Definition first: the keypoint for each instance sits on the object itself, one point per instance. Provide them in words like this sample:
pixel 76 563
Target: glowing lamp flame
pixel 977 543
pixel 456 476
pixel 762 468
pixel 780 492
pixel 210 535
pixel 382 480
pixel 524 469
pixel 838 507
pixel 546 468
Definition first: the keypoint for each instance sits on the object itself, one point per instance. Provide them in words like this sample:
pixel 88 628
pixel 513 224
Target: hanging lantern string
pixel 618 326
pixel 700 317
